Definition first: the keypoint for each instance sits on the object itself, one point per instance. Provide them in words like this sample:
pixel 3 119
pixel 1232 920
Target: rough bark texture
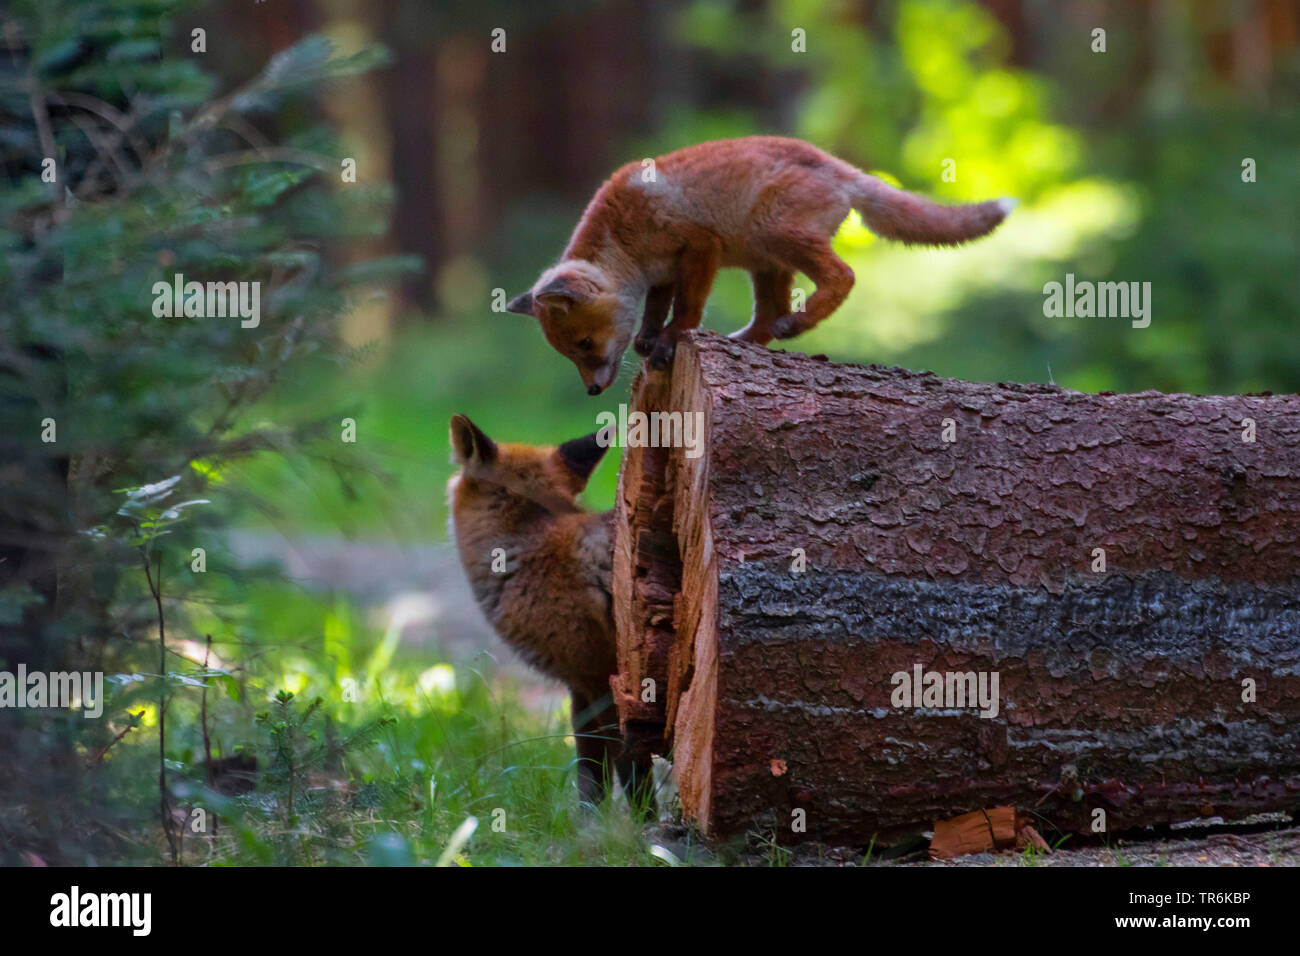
pixel 1120 690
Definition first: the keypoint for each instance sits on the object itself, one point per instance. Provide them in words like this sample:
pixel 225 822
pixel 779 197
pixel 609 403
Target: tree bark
pixel 954 527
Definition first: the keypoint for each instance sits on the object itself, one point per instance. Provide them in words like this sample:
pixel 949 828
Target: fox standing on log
pixel 550 599
pixel 763 203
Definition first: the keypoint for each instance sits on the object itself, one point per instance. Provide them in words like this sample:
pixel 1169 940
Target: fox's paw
pixel 662 355
pixel 786 327
pixel 752 333
pixel 644 343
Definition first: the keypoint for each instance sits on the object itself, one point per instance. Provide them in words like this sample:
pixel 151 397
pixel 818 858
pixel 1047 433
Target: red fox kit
pixel 764 203
pixel 547 591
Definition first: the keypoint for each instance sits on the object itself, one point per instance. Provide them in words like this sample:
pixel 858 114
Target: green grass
pixel 389 755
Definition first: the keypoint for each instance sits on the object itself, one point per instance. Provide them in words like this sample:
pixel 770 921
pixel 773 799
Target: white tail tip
pixel 1007 204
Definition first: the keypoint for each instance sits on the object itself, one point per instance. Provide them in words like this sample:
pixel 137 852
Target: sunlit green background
pixel 1127 163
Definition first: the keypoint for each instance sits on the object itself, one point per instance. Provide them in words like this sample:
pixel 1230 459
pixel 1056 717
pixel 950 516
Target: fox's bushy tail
pixel 897 214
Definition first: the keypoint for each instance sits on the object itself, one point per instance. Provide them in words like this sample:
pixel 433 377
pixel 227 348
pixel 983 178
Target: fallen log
pixel 807 611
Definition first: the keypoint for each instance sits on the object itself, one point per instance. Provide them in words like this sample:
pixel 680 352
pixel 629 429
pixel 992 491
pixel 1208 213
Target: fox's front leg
pixel 696 268
pixel 657 303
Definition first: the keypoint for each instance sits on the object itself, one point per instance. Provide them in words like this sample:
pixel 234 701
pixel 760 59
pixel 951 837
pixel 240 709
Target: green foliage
pixel 120 171
pixel 1114 186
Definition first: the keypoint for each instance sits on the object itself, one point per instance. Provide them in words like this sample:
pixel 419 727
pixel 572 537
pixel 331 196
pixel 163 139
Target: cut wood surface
pixel 849 524
pixel 981 831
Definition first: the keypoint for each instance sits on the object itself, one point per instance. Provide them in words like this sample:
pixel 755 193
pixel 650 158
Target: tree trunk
pixel 1126 566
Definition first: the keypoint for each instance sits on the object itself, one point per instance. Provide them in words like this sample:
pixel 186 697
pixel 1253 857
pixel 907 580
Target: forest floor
pixel 1224 848
pixel 1243 844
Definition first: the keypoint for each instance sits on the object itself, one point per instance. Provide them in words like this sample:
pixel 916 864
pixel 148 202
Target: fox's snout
pixel 599 379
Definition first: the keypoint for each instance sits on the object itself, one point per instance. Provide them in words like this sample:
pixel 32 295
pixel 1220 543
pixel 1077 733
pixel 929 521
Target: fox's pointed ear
pixel 565 289
pixel 582 455
pixel 521 304
pixel 469 443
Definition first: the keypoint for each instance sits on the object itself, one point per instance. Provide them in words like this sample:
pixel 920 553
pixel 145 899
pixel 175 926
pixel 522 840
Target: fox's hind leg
pixel 635 770
pixel 638 781
pixel 657 303
pixel 594 767
pixel 601 753
pixel 814 257
pixel 771 301
pixel 636 773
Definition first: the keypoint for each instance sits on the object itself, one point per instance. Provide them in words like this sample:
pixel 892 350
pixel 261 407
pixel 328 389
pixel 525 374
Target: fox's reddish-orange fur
pixel 551 602
pixel 764 203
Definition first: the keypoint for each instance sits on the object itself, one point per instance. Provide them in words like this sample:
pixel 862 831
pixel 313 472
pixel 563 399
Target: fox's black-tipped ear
pixel 468 442
pixel 521 304
pixel 567 288
pixel 582 455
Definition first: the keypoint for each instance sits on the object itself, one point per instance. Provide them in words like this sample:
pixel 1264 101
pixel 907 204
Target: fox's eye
pixel 585 344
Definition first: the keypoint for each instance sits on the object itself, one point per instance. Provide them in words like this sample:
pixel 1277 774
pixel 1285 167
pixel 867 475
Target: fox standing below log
pixel 550 600
pixel 661 231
